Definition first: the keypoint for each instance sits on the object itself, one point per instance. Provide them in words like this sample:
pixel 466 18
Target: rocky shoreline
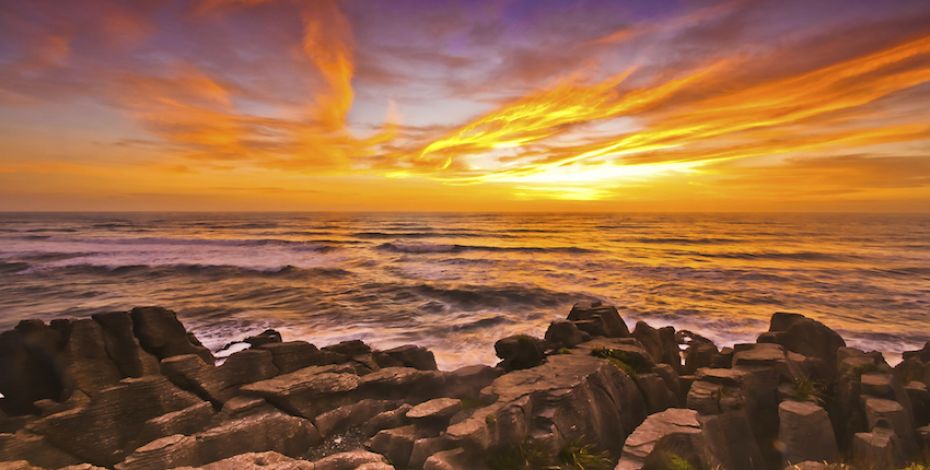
pixel 135 390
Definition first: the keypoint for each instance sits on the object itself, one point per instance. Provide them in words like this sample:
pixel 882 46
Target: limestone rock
pixel 436 410
pixel 660 343
pixel 160 333
pixel 396 444
pixel 877 450
pixel 111 423
pixel 520 352
pixel 729 438
pixel 614 326
pixel 385 420
pixel 806 336
pixel 406 356
pixel 31 367
pixel 272 431
pixel 307 392
pixel 352 415
pixel 218 384
pixel 570 397
pixel 293 355
pixel 805 433
pixel 123 347
pixel 27 446
pixel 257 461
pixel 468 381
pixel 350 348
pixel 699 354
pixel 564 334
pixel 641 443
pixel 354 460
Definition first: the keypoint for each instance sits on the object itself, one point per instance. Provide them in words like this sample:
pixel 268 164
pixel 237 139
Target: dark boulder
pixel 564 334
pixel 266 337
pixel 406 356
pixel 520 352
pixel 613 324
pixel 806 336
pixel 355 347
pixel 660 343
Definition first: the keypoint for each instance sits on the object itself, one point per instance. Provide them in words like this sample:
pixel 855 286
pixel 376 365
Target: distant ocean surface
pixel 456 283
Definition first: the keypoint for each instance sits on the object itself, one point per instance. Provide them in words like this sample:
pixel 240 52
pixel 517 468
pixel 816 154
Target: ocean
pixel 456 283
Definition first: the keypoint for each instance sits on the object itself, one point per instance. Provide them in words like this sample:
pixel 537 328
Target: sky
pixel 439 105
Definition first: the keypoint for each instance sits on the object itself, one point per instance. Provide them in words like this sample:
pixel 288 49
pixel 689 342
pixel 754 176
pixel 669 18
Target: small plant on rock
pixel 805 389
pixel 579 456
pixel 623 360
pixel 674 461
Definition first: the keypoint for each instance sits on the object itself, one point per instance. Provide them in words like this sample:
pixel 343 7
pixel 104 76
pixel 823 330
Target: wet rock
pixel 406 356
pixel 349 348
pixel 266 337
pixel 805 433
pixel 660 343
pixel 520 352
pixel 160 333
pixel 564 334
pixel 806 336
pixel 642 442
pixel 614 326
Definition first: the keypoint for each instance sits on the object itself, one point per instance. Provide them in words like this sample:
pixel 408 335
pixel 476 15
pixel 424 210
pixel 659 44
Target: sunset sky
pixel 645 105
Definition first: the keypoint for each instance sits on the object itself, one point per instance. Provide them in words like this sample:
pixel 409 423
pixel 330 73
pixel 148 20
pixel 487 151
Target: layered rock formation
pixel 135 390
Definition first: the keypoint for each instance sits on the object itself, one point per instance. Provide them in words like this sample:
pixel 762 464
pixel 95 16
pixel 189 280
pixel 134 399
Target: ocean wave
pixel 171 241
pixel 683 240
pixel 778 255
pixel 425 248
pixel 475 297
pixel 430 234
pixel 215 271
pixel 13 267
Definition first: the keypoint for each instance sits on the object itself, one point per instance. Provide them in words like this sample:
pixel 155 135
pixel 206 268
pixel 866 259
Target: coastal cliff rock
pixel 135 390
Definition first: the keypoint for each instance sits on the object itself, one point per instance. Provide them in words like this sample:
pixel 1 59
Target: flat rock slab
pixel 643 440
pixel 440 408
pixel 761 354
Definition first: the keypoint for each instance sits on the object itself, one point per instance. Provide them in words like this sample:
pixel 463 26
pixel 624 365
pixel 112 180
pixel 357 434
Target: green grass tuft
pixel 805 389
pixel 526 456
pixel 629 363
pixel 579 456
